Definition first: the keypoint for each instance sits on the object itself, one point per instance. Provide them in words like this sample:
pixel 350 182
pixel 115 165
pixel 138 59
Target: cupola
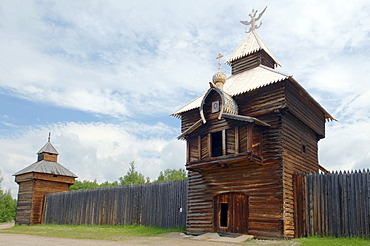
pixel 47 152
pixel 219 78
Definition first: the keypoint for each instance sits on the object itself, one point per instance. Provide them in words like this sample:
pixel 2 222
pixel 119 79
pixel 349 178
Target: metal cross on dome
pixel 219 60
pixel 253 20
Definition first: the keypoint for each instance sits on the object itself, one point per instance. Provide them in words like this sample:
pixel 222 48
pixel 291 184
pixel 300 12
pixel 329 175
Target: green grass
pixel 332 241
pixel 97 232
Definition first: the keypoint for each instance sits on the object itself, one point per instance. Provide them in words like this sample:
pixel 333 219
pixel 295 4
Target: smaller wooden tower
pixel 38 179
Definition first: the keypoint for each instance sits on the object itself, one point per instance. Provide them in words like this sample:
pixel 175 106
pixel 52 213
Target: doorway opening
pixel 224 214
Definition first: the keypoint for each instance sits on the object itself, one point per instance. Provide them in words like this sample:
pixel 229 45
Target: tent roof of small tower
pixel 252 43
pixel 47 167
pixel 48 148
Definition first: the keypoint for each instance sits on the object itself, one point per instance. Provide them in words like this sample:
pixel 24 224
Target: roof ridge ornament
pixel 49 137
pixel 253 20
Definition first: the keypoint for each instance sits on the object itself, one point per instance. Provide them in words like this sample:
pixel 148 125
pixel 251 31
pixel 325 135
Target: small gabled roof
pixel 237 117
pixel 48 167
pixel 252 43
pixel 48 148
pixel 192 128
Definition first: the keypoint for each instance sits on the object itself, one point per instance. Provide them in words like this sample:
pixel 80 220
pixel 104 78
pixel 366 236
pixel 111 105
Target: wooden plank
pixel 236 140
pixel 199 147
pixel 224 152
pixel 209 144
pixel 154 204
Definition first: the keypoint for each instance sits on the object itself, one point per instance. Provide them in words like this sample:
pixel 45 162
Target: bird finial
pixel 253 20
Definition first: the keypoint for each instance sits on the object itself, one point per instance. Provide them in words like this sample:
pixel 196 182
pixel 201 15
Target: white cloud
pixel 138 60
pixel 96 150
pixel 346 146
pixel 125 59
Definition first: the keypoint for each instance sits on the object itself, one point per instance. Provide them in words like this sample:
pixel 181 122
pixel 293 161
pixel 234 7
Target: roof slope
pixel 46 167
pixel 240 83
pixel 252 43
pixel 48 148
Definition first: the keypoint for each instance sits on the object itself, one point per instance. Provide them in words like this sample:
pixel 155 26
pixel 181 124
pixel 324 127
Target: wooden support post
pixel 187 151
pixel 199 148
pixel 209 145
pixel 224 142
pixel 249 137
pixel 236 140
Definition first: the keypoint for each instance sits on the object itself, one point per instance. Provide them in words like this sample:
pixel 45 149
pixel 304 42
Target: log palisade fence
pixel 162 204
pixel 334 204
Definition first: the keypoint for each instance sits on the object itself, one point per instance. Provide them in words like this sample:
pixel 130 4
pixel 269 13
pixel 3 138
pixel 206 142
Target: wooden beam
pixel 222 161
pixel 199 148
pixel 236 140
pixel 187 150
pixel 224 142
pixel 209 145
pixel 249 137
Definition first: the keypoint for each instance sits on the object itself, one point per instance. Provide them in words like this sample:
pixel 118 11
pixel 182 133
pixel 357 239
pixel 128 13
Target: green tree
pixel 133 176
pixel 107 184
pixel 8 205
pixel 172 174
pixel 87 184
pixel 84 185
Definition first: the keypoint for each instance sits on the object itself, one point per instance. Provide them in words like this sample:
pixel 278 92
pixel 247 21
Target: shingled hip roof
pixel 48 148
pixel 46 167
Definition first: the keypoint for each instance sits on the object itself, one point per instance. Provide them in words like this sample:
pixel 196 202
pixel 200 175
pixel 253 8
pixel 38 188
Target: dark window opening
pixel 216 144
pixel 304 148
pixel 224 214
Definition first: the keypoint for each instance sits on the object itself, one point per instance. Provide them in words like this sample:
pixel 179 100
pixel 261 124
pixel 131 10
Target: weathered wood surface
pixel 287 146
pixel 300 154
pixel 162 204
pixel 338 204
pixel 300 215
pixel 304 109
pixel 261 183
pixel 32 188
pixel 235 221
pixel 251 61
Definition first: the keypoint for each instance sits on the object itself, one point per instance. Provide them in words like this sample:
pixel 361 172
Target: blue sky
pixel 103 76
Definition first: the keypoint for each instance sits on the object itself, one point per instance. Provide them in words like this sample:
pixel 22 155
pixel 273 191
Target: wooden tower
pixel 42 177
pixel 246 137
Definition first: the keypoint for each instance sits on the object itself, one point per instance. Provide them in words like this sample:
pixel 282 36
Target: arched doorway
pixel 231 213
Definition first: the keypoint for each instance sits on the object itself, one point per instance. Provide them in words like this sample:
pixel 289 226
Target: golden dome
pixel 218 78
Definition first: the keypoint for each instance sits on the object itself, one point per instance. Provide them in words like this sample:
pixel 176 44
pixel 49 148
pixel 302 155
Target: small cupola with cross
pixel 48 152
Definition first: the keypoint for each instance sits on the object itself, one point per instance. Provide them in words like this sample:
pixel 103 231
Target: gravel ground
pixel 170 239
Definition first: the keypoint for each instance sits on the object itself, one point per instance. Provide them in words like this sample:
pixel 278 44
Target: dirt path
pixel 170 239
